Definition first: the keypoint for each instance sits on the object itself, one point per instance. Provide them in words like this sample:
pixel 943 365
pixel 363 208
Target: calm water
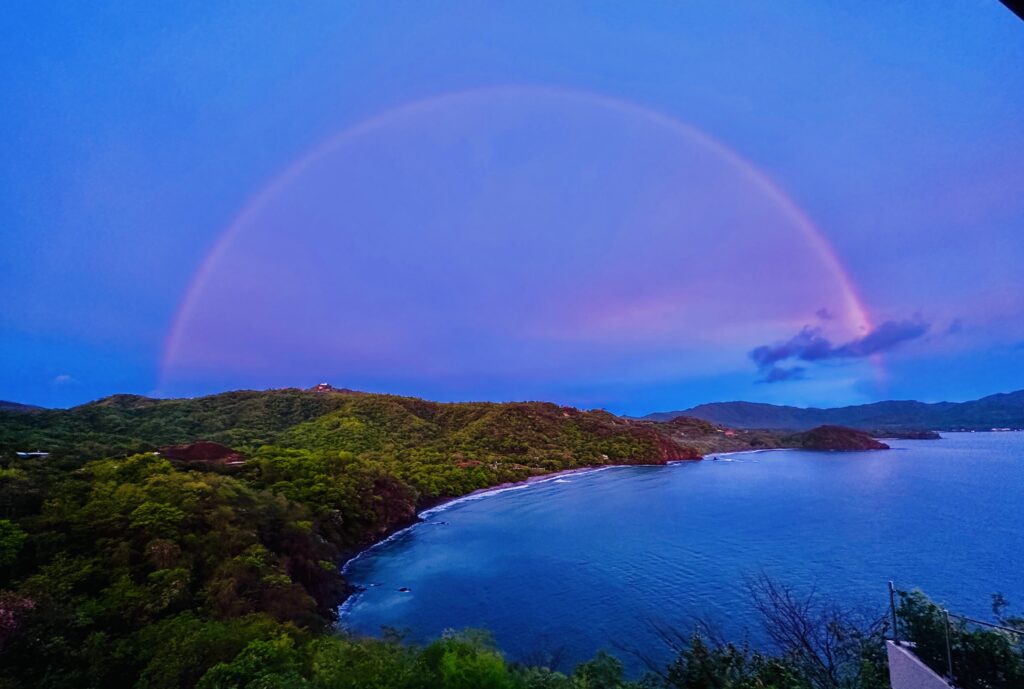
pixel 591 560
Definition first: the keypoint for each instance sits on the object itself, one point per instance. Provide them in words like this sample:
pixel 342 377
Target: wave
pixel 348 563
pixel 557 477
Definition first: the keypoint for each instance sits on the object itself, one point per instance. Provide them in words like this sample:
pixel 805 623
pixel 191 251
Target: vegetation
pixel 126 424
pixel 835 438
pixel 120 567
pixel 708 438
pixel 981 657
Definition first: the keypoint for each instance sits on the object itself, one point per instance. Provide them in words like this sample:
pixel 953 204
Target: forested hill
pixel 125 424
pixel 134 555
pixel 538 435
pixel 195 542
pixel 1004 410
pixel 434 450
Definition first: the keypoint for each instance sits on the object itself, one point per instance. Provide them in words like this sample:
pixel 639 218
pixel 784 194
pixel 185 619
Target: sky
pixel 634 206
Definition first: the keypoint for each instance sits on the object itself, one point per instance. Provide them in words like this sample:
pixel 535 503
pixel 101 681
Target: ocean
pixel 603 560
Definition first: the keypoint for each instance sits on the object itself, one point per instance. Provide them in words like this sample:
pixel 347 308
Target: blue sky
pixel 565 233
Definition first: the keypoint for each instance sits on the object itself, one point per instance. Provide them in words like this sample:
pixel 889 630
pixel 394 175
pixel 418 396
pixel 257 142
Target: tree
pixel 264 664
pixel 604 671
pixel 11 539
pixel 832 647
pixel 982 658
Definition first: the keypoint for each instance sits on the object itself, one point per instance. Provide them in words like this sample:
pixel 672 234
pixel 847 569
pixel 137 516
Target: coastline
pixel 478 494
pixel 748 452
pixel 448 503
pixel 453 581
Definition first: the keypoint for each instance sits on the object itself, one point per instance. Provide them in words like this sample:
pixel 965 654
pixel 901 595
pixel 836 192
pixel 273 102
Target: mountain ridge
pixel 1000 410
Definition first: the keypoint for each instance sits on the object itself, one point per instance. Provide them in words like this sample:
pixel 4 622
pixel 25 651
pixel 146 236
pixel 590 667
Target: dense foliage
pixel 981 657
pixel 120 567
pixel 835 438
pixel 126 424
pixel 135 572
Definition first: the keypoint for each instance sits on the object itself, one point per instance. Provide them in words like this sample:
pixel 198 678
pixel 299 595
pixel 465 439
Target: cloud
pixel 65 379
pixel 810 345
pixel 824 314
pixel 881 339
pixel 778 374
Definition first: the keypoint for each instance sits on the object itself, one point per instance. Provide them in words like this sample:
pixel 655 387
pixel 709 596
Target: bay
pixel 600 560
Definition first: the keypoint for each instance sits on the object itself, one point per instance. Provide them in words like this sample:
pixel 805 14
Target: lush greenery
pixel 126 424
pixel 119 567
pixel 535 435
pixel 122 568
pixel 981 657
pixel 835 438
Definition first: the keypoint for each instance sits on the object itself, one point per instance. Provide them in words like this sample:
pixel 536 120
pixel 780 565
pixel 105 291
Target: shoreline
pixel 480 493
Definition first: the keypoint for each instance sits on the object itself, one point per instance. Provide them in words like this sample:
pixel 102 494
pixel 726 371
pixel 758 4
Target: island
pixel 836 439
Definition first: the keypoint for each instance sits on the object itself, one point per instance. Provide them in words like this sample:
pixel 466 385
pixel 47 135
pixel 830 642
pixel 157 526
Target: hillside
pixel 440 449
pixel 6 406
pixel 125 424
pixel 161 537
pixel 1004 410
pixel 206 523
pixel 836 438
pixel 385 456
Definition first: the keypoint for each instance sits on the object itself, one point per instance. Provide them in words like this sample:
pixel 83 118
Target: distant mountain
pixel 1004 410
pixel 17 407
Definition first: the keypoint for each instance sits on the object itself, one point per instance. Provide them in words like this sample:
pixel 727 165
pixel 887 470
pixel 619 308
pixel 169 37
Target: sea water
pixel 603 560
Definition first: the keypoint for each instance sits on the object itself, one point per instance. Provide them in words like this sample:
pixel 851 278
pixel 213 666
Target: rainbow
pixel 855 313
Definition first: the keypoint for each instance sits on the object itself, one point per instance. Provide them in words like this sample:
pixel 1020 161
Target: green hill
pixel 371 459
pixel 124 424
pixel 533 436
pixel 122 557
pixel 187 542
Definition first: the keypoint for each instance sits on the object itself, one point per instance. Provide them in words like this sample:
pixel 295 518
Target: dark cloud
pixel 777 374
pixel 824 314
pixel 810 345
pixel 881 339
